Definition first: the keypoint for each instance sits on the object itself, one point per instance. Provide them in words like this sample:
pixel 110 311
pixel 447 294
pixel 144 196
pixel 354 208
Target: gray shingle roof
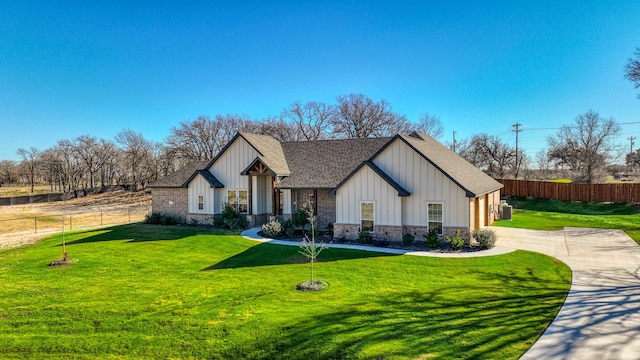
pixel 271 153
pixel 323 164
pixel 466 175
pixel 179 177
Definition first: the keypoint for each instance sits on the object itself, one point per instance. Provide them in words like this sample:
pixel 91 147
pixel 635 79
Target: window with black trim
pixel 238 199
pixel 435 216
pixel 367 215
pixel 200 202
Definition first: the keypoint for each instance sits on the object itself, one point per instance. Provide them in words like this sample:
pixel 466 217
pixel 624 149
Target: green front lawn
pixel 540 214
pixel 144 291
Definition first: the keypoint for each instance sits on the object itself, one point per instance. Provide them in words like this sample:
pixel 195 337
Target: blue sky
pixel 71 68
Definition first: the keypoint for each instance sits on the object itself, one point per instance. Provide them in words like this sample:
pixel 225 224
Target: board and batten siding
pixel 199 186
pixel 228 167
pixel 366 185
pixel 261 194
pixel 426 184
pixel 287 206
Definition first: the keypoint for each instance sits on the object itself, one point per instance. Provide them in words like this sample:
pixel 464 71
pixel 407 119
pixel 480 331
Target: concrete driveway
pixel 600 318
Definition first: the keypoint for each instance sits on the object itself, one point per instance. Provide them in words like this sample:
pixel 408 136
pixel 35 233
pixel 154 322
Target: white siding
pixel 262 195
pixel 426 184
pixel 366 185
pixel 287 207
pixel 228 167
pixel 200 186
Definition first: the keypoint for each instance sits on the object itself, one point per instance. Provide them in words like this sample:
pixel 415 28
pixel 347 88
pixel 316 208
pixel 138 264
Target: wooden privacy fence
pixel 616 193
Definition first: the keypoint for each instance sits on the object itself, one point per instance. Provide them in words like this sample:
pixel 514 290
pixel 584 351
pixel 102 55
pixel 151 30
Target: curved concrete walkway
pixel 252 234
pixel 600 319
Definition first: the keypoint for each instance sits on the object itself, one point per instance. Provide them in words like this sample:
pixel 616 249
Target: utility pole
pixel 631 138
pixel 517 130
pixel 454 141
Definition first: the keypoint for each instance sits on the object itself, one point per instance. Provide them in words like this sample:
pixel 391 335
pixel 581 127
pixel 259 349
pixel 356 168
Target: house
pixel 392 186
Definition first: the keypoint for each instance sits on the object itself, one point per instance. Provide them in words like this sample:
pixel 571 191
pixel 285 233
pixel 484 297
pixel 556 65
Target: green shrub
pixel 160 219
pixel 229 218
pixel 299 218
pixel 408 239
pixel 456 241
pixel 486 238
pixel 273 228
pixel 364 236
pixel 432 239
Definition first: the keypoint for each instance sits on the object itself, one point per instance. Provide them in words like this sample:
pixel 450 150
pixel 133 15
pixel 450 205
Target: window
pixel 242 201
pixel 200 202
pixel 434 217
pixel 366 216
pixel 312 200
pixel 238 199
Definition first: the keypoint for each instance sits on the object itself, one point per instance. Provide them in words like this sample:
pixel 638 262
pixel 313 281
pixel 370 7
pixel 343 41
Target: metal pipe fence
pixel 51 223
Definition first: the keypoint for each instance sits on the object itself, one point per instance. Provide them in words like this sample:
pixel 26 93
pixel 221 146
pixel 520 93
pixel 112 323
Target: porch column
pixel 249 196
pixel 273 196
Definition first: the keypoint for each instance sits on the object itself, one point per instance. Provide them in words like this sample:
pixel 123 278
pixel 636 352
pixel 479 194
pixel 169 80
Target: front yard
pixel 145 291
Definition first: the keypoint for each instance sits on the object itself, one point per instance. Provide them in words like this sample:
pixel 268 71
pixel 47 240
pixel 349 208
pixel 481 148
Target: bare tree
pixel 71 175
pixel 86 148
pixel 52 168
pixel 135 150
pixel 313 119
pixel 358 116
pixel 430 125
pixel 543 164
pixel 8 172
pixel 489 153
pixel 586 147
pixel 106 157
pixel 199 139
pixel 279 129
pixel 632 70
pixel 30 161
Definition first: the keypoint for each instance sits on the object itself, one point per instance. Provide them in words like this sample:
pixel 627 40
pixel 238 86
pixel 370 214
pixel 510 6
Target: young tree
pixel 586 147
pixel 358 116
pixel 30 162
pixel 430 125
pixel 310 249
pixel 632 70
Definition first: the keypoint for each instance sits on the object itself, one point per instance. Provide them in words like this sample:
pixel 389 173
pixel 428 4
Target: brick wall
pixel 170 201
pixel 395 233
pixel 326 206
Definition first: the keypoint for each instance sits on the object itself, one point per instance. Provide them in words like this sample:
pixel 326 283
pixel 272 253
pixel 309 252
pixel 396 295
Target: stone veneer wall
pixel 200 219
pixel 395 233
pixel 170 201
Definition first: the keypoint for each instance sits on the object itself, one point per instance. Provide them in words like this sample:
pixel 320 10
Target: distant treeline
pixel 43 198
pixel 582 150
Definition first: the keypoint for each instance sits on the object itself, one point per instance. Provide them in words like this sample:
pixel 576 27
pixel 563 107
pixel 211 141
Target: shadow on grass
pixel 492 324
pixel 140 232
pixel 271 254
